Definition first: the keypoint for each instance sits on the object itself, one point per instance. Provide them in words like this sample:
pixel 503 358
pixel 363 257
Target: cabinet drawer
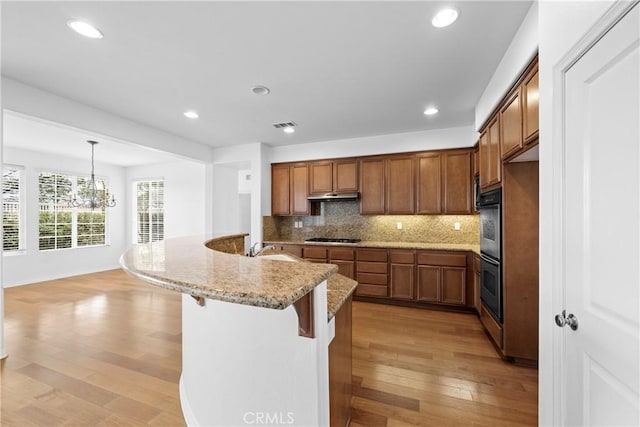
pixel 372 267
pixel 314 252
pixel 493 327
pixel 344 254
pixel 372 255
pixel 442 259
pixel 404 257
pixel 372 279
pixel 294 250
pixel 371 290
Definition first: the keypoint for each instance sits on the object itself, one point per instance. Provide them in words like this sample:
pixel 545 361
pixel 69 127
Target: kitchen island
pixel 256 331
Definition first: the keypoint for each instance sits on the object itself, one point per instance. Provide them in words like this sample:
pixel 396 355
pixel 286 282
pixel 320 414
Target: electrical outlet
pixel 456 226
pixel 399 226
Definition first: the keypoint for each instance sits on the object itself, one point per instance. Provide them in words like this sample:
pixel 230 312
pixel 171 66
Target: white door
pixel 602 229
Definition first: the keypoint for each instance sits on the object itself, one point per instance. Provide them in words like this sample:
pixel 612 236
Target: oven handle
pixel 489 260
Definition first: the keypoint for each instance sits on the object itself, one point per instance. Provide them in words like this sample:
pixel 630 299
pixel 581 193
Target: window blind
pixel 149 211
pixel 12 230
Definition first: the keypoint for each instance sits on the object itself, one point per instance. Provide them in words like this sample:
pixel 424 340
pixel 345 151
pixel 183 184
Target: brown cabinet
pixel 344 258
pixel 402 274
pixel 457 187
pixel 314 253
pixel 495 163
pixel 333 176
pixel 475 161
pixel 530 106
pixel 429 183
pixel 292 249
pixel 444 182
pixel 372 272
pixel 511 124
pixel 477 302
pixel 372 186
pixel 400 188
pixel 441 277
pixel 290 189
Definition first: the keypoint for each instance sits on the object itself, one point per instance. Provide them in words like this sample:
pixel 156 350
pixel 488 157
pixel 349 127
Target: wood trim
pixel 304 310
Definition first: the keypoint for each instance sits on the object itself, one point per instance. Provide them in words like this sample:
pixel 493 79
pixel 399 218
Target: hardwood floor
pixel 105 350
pixel 433 368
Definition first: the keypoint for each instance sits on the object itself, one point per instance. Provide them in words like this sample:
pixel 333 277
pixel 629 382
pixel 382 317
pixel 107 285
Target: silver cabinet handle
pixel 563 320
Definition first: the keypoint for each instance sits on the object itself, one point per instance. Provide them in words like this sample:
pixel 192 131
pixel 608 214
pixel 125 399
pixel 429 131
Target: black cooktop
pixel 331 240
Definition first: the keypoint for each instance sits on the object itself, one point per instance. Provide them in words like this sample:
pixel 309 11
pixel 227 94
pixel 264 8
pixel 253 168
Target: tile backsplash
pixel 343 220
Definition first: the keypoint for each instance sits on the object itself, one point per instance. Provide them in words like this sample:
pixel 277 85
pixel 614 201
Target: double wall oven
pixel 489 205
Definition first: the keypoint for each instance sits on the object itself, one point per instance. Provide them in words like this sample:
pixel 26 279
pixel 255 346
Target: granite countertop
pixel 186 265
pixel 393 245
pixel 339 287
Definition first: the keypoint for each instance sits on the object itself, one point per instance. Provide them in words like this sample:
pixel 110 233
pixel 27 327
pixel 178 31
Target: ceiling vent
pixel 284 125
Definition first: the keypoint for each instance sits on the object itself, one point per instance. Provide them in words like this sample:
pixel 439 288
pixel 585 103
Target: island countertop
pixel 186 265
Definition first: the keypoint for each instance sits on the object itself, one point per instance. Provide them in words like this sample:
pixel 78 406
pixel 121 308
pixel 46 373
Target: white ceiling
pixel 338 69
pixel 31 134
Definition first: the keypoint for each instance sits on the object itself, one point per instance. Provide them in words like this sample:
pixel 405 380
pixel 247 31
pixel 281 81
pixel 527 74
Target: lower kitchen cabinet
pixel 344 258
pixel 402 274
pixel 442 277
pixel 372 273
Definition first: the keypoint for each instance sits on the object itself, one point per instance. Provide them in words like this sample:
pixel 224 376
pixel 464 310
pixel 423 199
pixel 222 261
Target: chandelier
pixel 91 197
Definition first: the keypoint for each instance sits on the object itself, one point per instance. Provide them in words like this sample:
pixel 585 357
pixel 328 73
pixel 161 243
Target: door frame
pixel 552 388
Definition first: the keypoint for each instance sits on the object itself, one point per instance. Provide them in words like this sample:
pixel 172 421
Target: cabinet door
pixel 345 176
pixel 530 103
pixel 292 249
pixel 477 302
pixel 453 285
pixel 402 281
pixel 400 185
pixel 429 185
pixel 280 196
pixel 428 283
pixel 346 268
pixel 484 155
pixel 511 125
pixel 457 182
pixel 320 177
pixel 495 163
pixel 299 189
pixel 372 186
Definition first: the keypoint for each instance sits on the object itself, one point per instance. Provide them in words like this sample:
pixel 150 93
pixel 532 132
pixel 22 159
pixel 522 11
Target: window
pixel 12 217
pixel 149 211
pixel 62 226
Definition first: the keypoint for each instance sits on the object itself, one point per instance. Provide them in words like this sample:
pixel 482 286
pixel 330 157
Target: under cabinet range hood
pixel 330 197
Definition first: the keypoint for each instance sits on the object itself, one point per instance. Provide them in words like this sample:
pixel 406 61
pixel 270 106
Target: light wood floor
pixel 104 349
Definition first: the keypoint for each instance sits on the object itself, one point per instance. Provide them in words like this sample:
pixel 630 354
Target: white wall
pixel 519 53
pixel 562 24
pixel 463 136
pixel 34 102
pixel 226 219
pixel 34 265
pixel 184 197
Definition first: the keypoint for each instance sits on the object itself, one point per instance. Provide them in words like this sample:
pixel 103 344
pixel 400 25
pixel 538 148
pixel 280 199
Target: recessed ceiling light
pixel 444 18
pixel 191 114
pixel 84 28
pixel 430 111
pixel 289 129
pixel 260 90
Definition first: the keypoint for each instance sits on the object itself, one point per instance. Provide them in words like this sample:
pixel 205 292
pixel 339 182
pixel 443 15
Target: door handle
pixel 563 320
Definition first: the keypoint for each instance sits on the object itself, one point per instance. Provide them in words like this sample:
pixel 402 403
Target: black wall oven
pixel 491 251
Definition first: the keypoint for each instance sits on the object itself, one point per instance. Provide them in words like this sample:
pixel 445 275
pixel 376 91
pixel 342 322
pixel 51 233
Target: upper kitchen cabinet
pixel 333 176
pixel 387 185
pixel 429 183
pixel 372 186
pixel 400 194
pixel 530 105
pixel 456 181
pixel 444 182
pixel 290 189
pixel 511 124
pixel 490 162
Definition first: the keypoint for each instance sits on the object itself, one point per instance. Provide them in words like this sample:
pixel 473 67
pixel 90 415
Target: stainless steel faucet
pixel 253 252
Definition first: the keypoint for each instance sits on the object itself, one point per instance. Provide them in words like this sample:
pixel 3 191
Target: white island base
pixel 247 365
